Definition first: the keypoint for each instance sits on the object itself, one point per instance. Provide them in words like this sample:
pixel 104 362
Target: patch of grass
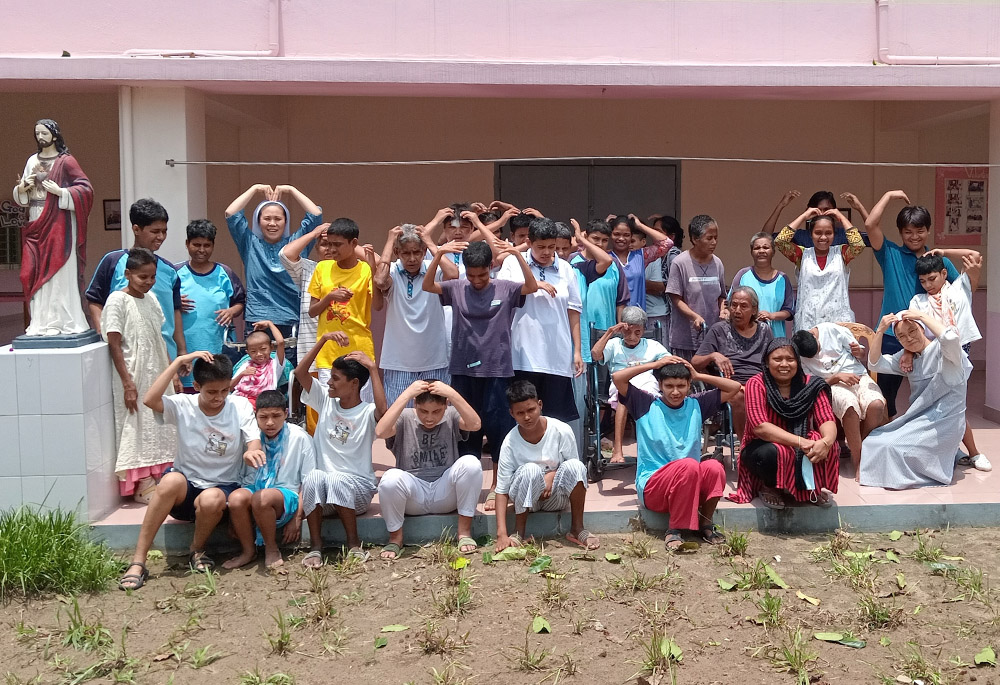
pixel 876 614
pixel 204 656
pixel 457 594
pixel 444 551
pixel 335 639
pixel 50 553
pixel 449 676
pixel 770 610
pixel 859 571
pixel 205 585
pixel 554 593
pixel 639 545
pixel 84 635
pixel 926 550
pixel 527 659
pixel 634 581
pixel 432 641
pixel 347 565
pixel 114 665
pixel 794 656
pixel 752 575
pixel 916 666
pixel 736 544
pixel 834 547
pixel 255 677
pixel 321 609
pixel 280 641
pixel 660 654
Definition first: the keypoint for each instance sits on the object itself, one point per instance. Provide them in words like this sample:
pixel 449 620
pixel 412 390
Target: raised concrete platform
pixel 973 499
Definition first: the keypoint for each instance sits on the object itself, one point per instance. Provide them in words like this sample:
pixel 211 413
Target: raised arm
pixel 307 205
pixel 378 390
pixel 855 243
pixel 597 351
pixel 530 284
pixel 240 203
pixel 772 221
pixel 302 374
pixel 293 250
pixel 468 419
pixel 386 426
pixel 621 378
pixel 875 344
pixel 601 258
pixel 435 224
pixel 873 223
pixel 855 204
pixel 381 277
pixel 430 278
pixel 279 340
pixel 154 395
pixel 973 264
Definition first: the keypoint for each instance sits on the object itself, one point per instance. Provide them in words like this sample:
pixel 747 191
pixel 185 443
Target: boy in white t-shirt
pixel 271 486
pixel 215 433
pixel 539 470
pixel 951 304
pixel 415 344
pixel 343 482
pixel 632 349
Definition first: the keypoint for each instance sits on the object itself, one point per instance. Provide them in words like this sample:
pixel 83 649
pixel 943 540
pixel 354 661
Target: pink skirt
pixel 126 486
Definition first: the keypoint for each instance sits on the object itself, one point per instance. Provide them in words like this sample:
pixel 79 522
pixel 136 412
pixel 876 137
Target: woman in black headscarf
pixel 790 441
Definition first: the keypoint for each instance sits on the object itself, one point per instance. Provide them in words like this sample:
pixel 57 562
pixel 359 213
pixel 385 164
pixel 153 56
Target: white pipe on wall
pixel 881 37
pixel 273 42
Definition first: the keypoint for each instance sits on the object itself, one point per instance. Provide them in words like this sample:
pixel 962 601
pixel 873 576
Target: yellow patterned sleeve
pixel 855 244
pixel 783 244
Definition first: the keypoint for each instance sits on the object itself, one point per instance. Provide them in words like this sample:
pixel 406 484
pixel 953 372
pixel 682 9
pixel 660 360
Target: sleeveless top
pixel 823 296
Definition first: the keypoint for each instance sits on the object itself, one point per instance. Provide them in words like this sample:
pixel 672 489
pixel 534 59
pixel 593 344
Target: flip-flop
pixel 359 554
pixel 392 548
pixel 490 497
pixel 711 536
pixel 515 540
pixel 314 554
pixel 776 504
pixel 821 503
pixel 136 580
pixel 467 542
pixel 671 537
pixel 199 561
pixel 582 538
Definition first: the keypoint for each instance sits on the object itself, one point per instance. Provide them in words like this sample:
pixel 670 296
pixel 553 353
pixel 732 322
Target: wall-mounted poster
pixel 960 203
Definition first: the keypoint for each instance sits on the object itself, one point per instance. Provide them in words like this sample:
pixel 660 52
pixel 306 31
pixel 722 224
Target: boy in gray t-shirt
pixel 430 477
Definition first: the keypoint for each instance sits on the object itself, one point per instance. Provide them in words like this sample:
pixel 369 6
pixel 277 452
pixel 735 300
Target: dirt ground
pixel 603 616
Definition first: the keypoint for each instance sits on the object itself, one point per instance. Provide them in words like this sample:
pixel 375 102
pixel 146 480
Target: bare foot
pixel 272 559
pixel 617 458
pixel 240 561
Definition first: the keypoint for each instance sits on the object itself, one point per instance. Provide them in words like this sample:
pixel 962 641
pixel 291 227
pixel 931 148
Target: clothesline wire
pixel 515 160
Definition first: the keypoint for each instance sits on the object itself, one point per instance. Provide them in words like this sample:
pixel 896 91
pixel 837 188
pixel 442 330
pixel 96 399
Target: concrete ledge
pixel 175 537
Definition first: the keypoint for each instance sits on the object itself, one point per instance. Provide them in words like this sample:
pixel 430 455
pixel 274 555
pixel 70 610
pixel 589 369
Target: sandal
pixel 467 542
pixel 673 540
pixel 200 561
pixel 393 549
pixel 515 540
pixel 491 497
pixel 358 553
pixel 772 499
pixel 585 539
pixel 313 554
pixel 134 581
pixel 824 503
pixel 711 536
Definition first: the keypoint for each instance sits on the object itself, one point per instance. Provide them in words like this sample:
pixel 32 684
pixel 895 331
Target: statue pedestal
pixel 57 429
pixel 53 342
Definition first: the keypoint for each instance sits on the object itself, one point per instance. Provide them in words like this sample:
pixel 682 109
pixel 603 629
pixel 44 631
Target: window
pixel 592 189
pixel 12 217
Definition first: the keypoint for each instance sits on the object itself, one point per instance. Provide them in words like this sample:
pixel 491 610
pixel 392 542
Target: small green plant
pixel 449 676
pixel 204 585
pixel 770 610
pixel 457 594
pixel 432 641
pixel 834 547
pixel 876 614
pixel 639 545
pixel 634 581
pixel 660 654
pixel 82 634
pixel 736 544
pixel 50 552
pixel 926 551
pixel 281 641
pixel 335 639
pixel 444 551
pixel 859 571
pixel 204 656
pixel 255 677
pixel 794 656
pixel 527 659
pixel 321 609
pixel 114 665
pixel 554 593
pixel 347 565
pixel 916 666
pixel 752 575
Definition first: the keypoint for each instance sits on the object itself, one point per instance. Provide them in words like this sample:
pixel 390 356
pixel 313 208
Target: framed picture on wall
pixel 112 215
pixel 960 205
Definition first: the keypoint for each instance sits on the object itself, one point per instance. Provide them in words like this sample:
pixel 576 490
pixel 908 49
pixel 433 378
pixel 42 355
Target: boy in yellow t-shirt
pixel 341 296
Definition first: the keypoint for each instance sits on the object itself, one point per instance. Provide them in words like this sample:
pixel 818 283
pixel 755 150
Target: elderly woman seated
pixel 919 447
pixel 736 347
pixel 790 443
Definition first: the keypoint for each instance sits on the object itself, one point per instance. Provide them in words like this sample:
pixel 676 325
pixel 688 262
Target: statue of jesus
pixel 58 196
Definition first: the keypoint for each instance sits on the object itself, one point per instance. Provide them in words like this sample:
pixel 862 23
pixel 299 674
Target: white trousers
pixel 400 493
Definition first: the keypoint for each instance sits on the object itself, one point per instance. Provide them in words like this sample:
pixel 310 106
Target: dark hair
pixel 915 216
pixel 257 333
pixel 819 196
pixel 201 228
pixel 139 256
pixel 620 219
pixel 146 211
pixel 345 228
pixel 219 369
pixel 699 224
pixel 271 399
pixel 672 371
pixel 520 221
pixel 821 217
pixel 57 137
pixel 805 343
pixel 542 228
pixel 353 369
pixel 598 226
pixel 477 255
pixel 488 218
pixel 928 264
pixel 521 391
pixel 459 207
pixel 425 397
pixel 672 227
pixel 564 230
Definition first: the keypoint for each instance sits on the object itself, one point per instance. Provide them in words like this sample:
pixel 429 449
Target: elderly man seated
pixel 736 347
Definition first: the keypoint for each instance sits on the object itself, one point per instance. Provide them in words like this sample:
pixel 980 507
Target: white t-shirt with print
pixel 210 448
pixel 343 437
pixel 540 339
pixel 558 444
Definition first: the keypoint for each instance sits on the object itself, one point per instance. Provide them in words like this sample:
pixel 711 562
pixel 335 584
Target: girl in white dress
pixel 131 325
pixel 822 271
